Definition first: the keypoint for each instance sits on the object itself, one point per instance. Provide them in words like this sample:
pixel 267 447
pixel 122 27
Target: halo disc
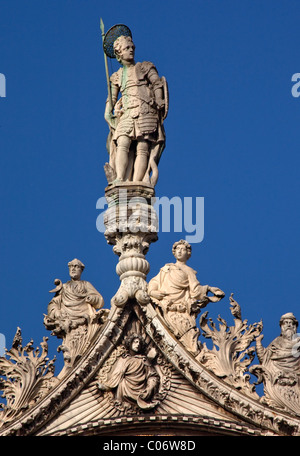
pixel 110 37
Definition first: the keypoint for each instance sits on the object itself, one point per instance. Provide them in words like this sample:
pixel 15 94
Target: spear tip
pixel 101 25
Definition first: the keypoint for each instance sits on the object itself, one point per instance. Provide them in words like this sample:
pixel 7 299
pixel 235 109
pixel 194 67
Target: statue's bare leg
pixel 123 145
pixel 141 161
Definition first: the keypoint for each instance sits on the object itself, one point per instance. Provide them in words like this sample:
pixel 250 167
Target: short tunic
pixel 138 116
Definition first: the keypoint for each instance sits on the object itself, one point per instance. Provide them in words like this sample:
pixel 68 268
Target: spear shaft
pixel 106 68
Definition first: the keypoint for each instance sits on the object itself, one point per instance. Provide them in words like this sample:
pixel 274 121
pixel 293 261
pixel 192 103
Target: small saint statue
pixel 75 302
pixel 279 367
pixel 73 313
pixel 137 136
pixel 180 296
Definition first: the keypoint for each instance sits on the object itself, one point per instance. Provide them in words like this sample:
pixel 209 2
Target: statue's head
pixel 135 343
pixel 182 250
pixel 75 269
pixel 124 49
pixel 288 324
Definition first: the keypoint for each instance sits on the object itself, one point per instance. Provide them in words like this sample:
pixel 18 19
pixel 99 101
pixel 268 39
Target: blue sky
pixel 232 138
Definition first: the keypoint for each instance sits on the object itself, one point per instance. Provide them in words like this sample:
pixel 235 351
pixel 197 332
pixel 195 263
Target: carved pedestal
pixel 131 225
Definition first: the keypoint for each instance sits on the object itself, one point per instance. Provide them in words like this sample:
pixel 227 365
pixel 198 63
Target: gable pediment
pixel 187 394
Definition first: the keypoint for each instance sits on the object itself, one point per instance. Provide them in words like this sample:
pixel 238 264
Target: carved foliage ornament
pixel 28 376
pixel 231 353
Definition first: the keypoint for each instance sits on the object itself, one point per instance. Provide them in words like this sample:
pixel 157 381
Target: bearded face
pixel 288 328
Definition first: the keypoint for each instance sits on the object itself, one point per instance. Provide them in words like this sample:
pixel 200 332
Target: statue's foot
pixel 117 181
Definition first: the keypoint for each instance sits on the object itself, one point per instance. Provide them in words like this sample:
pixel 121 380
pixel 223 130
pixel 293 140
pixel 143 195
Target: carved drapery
pixel 75 314
pixel 179 296
pixel 135 382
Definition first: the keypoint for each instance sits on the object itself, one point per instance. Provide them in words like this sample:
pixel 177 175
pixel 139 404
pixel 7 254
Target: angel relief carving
pixel 135 377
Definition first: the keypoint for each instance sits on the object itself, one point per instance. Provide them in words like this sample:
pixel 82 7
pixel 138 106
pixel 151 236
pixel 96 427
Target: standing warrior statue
pixel 137 138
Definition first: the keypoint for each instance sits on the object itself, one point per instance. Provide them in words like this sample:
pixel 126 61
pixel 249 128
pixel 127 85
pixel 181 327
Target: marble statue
pixel 279 367
pixel 72 313
pixel 134 378
pixel 75 302
pixel 137 136
pixel 178 293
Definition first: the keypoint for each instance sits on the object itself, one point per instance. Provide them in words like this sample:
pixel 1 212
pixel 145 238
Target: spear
pixel 106 68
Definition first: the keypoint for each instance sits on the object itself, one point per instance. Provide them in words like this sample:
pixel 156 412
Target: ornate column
pixel 131 225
